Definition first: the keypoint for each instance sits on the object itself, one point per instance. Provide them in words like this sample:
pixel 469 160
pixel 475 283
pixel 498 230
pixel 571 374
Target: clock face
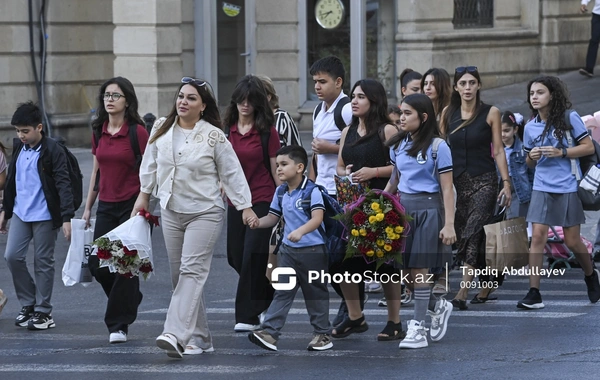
pixel 329 13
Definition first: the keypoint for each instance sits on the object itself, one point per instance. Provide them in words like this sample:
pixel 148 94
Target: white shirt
pixel 596 9
pixel 193 171
pixel 324 128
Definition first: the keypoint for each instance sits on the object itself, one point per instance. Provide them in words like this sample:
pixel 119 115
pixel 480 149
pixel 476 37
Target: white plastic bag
pixel 76 270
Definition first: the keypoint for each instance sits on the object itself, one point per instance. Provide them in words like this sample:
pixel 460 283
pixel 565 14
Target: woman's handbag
pixel 347 191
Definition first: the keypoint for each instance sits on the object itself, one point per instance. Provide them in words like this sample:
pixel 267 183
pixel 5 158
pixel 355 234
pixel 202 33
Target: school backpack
pixel 135 147
pixel 74 174
pixel 333 231
pixel 589 200
pixel 337 112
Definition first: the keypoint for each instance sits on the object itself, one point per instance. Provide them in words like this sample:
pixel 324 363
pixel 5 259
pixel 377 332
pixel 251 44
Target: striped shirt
pixel 288 132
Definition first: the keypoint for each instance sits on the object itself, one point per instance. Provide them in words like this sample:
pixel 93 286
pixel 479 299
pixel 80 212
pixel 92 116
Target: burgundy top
pixel 250 153
pixel 119 179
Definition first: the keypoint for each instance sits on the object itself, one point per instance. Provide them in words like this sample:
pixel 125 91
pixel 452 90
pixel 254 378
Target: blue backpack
pixel 333 231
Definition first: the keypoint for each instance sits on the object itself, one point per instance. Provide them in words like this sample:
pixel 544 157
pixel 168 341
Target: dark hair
pixel 331 65
pixel 210 114
pixel 428 129
pixel 559 103
pixel 251 87
pixel 295 152
pixel 131 111
pixel 441 81
pixel 394 109
pixel 378 110
pixel 455 101
pixel 510 119
pixel 27 114
pixel 407 76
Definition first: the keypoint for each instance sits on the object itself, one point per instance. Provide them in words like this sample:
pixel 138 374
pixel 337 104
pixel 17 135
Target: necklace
pixel 186 135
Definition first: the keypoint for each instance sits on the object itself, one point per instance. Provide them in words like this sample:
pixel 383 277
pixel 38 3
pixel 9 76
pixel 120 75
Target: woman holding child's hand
pixel 189 152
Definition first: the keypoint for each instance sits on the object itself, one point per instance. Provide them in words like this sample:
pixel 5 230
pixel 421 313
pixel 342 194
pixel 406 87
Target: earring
pixel 201 113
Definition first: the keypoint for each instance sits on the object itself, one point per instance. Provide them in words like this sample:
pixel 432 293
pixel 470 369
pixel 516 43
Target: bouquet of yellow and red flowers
pixel 378 225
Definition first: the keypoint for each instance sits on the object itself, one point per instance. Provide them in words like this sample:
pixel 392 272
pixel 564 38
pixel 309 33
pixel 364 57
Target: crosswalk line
pixel 120 368
pixel 408 312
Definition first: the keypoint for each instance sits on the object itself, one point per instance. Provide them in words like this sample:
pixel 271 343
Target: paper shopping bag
pixel 506 244
pixel 76 270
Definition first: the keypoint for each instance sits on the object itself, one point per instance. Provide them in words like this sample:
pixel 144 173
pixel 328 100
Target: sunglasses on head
pixel 197 82
pixel 468 69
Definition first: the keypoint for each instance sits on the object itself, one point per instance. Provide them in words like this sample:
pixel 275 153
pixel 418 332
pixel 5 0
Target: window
pixel 473 14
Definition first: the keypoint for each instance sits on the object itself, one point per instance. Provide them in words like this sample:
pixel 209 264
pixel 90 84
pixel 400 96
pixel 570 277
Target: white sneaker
pixel 439 319
pixel 373 287
pixel 192 349
pixel 117 337
pixel 245 327
pixel 416 335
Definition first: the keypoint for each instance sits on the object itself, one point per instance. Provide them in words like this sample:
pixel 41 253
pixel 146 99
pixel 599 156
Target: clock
pixel 329 13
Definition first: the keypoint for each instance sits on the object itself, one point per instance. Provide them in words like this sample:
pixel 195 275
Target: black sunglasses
pixel 189 80
pixel 468 69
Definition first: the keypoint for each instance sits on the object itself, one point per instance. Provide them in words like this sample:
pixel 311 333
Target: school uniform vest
pixel 471 145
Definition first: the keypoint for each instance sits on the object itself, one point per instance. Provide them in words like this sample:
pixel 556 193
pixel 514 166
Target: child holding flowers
pixel 418 178
pixel 363 154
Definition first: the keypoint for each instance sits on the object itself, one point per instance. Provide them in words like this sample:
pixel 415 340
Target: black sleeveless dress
pixel 368 152
pixel 476 182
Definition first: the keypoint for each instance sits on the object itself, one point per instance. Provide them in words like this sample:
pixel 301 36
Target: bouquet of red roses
pixel 127 249
pixel 378 225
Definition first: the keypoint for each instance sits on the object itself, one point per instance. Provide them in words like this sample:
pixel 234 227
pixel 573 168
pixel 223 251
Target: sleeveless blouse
pixel 471 146
pixel 369 152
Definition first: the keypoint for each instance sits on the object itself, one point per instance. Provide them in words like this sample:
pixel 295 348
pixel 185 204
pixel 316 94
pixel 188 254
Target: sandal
pixel 391 331
pixel 478 299
pixel 349 326
pixel 459 304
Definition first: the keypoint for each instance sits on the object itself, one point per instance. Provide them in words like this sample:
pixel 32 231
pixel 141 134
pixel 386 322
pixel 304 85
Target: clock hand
pixel 324 15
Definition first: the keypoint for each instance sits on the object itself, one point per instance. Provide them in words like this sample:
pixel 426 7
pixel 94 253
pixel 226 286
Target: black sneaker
pixel 24 316
pixel 533 300
pixel 593 286
pixel 40 321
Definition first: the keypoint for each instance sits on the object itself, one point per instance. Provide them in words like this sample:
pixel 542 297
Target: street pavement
pixel 492 340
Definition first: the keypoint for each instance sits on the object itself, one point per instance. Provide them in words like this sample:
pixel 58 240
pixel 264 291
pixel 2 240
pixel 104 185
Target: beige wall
pixel 79 57
pixel 152 43
pixel 529 37
pixel 277 48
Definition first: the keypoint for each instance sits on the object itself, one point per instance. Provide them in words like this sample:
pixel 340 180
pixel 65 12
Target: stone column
pixel 148 48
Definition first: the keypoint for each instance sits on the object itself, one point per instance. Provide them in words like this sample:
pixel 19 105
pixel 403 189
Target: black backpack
pixel 337 112
pixel 75 176
pixel 589 200
pixel 135 147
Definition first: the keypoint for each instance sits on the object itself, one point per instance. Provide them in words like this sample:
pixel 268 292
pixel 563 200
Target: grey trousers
pixel 36 293
pixel 316 295
pixel 190 240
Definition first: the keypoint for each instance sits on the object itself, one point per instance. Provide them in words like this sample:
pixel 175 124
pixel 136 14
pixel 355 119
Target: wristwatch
pixel 564 152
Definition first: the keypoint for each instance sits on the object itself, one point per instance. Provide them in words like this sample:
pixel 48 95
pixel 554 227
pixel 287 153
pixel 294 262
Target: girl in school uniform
pixel 419 177
pixel 521 175
pixel 554 200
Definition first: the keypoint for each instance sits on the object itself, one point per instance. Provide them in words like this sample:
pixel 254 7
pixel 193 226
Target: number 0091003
pixel 479 284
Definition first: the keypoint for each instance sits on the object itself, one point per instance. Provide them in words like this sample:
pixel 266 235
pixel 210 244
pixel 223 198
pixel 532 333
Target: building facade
pixel 76 45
